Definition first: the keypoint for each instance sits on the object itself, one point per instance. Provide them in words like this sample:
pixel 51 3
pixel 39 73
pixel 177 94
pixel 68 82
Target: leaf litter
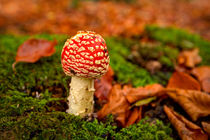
pixel 186 129
pixel 33 49
pixel 126 102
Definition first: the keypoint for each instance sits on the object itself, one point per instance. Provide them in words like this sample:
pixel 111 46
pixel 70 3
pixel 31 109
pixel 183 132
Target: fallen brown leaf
pixel 206 127
pixel 203 75
pixel 119 102
pixel 186 129
pixel 135 94
pixel 33 49
pixel 181 68
pixel 189 58
pixel 195 103
pixel 104 85
pixel 116 105
pixel 183 81
pixel 135 116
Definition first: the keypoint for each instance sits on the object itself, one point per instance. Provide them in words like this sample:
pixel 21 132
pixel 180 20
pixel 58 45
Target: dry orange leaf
pixel 206 127
pixel 189 58
pixel 203 75
pixel 135 94
pixel 183 81
pixel 116 105
pixel 135 116
pixel 120 99
pixel 104 85
pixel 195 103
pixel 33 49
pixel 186 129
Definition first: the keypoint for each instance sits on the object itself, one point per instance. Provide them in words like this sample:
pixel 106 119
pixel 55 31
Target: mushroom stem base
pixel 81 96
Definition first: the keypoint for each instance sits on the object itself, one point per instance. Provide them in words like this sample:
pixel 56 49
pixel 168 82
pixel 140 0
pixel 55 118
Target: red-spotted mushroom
pixel 84 57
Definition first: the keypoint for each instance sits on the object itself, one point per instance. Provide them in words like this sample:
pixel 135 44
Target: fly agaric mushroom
pixel 84 57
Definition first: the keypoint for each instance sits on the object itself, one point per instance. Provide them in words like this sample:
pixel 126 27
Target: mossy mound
pixel 59 125
pixel 24 115
pixel 180 39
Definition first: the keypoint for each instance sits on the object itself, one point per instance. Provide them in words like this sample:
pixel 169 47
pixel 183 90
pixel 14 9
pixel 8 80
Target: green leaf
pixel 144 101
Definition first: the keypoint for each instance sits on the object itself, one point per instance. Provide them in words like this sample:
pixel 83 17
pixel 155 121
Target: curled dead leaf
pixel 135 116
pixel 33 49
pixel 116 105
pixel 195 103
pixel 181 68
pixel 183 81
pixel 189 58
pixel 119 105
pixel 206 127
pixel 203 75
pixel 104 85
pixel 135 94
pixel 186 129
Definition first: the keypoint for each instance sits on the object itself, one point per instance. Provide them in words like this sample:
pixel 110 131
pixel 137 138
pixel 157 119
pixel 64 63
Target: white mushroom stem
pixel 81 96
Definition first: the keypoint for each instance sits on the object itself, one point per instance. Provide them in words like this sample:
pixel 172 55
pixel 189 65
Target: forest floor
pixel 143 51
pixel 33 98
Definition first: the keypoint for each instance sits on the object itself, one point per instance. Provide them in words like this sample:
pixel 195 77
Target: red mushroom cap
pixel 85 55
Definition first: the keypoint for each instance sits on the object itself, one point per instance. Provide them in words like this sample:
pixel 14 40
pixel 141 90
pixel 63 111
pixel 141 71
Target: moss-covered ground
pixel 33 100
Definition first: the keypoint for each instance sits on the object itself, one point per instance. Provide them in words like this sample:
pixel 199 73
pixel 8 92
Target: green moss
pixel 145 131
pixel 60 125
pixel 126 71
pixel 166 55
pixel 181 39
pixel 18 90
